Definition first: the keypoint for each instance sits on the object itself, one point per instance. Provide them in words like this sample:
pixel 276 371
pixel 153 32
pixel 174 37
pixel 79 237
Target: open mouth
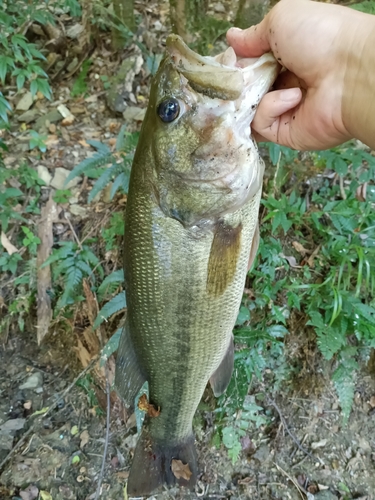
pixel 224 76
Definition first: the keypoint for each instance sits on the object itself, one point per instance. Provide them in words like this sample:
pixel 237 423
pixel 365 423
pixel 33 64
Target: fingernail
pixel 235 30
pixel 290 94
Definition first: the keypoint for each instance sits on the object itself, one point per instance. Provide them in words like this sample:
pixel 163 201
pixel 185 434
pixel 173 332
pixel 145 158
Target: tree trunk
pixel 124 14
pixel 186 17
pixel 250 12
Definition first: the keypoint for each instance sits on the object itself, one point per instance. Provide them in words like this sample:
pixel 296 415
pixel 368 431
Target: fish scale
pixel 189 229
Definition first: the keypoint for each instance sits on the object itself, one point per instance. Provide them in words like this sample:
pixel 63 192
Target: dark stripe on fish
pixel 222 263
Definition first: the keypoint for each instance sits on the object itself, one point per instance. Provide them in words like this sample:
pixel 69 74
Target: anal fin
pixel 152 465
pixel 221 377
pixel 128 377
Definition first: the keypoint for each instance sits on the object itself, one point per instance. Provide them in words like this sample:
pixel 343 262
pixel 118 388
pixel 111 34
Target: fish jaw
pixel 207 163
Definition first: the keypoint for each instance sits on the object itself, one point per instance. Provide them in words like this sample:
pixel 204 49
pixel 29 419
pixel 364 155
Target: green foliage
pixel 117 303
pixel 368 6
pixel 38 141
pixel 119 164
pixel 80 85
pixel 21 62
pixel 114 231
pixel 110 347
pixel 335 293
pixel 70 264
pixel 209 29
pixel 62 195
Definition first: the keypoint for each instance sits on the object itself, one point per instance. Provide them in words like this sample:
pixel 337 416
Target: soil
pixel 335 459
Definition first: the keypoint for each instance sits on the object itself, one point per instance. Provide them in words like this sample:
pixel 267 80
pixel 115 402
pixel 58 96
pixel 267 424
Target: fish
pixel 191 234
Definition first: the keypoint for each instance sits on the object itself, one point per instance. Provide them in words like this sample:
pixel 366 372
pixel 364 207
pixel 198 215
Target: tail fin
pixel 152 465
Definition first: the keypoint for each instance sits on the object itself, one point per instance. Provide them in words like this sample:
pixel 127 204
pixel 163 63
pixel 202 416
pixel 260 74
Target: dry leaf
pixel 84 439
pixel 9 247
pixel 67 121
pixel 181 470
pixel 147 407
pixel 310 260
pixel 361 192
pixel 30 493
pixel 27 405
pixel 300 248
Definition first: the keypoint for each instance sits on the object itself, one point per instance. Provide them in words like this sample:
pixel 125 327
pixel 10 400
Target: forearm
pixel 358 100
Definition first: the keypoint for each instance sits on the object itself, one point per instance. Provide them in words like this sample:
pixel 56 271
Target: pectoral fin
pixel 221 377
pixel 129 377
pixel 222 263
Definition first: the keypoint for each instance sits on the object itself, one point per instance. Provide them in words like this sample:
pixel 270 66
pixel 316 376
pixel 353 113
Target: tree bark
pixel 186 17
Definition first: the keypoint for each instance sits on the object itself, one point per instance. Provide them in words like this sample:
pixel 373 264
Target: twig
pixel 97 495
pixel 74 233
pixel 299 488
pixel 30 430
pixel 342 188
pixel 293 437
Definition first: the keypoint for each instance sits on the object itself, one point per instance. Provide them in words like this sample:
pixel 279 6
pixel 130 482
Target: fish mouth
pixel 224 76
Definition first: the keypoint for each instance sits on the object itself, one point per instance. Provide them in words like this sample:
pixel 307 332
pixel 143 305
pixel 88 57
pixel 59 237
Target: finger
pixel 273 105
pixel 252 42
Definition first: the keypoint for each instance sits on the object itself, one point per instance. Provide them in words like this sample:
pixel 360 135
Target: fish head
pixel 198 121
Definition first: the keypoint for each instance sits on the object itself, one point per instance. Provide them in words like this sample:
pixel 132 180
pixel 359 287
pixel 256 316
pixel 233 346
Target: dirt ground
pixel 62 454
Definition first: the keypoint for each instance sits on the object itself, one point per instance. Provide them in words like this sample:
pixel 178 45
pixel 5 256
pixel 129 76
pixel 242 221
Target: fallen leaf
pixel 30 493
pixel 67 121
pixel 291 260
pixel 319 444
pixel 84 439
pixel 310 260
pixel 181 470
pixel 75 460
pixel 147 407
pixel 74 430
pixel 300 248
pixel 44 495
pixel 9 247
pixel 361 192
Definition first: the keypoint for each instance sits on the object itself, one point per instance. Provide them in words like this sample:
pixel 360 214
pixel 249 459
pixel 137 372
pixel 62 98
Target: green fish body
pixel 190 230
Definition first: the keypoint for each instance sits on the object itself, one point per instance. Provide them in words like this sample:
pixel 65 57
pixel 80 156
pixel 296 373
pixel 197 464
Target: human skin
pixel 326 93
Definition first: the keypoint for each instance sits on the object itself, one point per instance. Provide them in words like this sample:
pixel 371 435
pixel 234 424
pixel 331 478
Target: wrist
pixel 358 94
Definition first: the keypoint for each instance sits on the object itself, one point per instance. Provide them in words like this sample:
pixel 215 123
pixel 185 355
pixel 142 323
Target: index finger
pixel 252 42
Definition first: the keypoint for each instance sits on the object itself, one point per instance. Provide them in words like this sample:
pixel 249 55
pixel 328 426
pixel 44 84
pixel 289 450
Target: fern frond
pixel 114 305
pixel 122 181
pixel 85 268
pixel 344 380
pixel 110 347
pixel 94 162
pixel 120 142
pixel 114 279
pixel 104 179
pixel 100 146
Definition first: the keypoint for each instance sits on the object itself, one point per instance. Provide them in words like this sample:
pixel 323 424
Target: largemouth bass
pixel 190 230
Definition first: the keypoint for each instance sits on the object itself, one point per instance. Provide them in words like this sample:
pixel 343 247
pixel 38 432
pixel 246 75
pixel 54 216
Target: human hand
pixel 320 46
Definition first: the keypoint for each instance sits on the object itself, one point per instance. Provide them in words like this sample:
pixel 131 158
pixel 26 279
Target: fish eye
pixel 169 109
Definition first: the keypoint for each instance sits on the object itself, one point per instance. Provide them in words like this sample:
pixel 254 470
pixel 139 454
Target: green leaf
pixel 110 347
pixel 115 277
pixel 114 305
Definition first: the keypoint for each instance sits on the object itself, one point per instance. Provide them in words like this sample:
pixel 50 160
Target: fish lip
pixel 209 74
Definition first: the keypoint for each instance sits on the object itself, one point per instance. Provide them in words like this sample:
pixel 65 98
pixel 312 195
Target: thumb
pixel 252 42
pixel 272 121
